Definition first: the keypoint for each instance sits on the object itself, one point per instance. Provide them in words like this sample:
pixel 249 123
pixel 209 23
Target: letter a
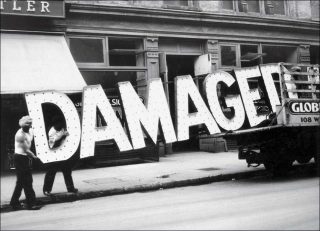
pixel 93 98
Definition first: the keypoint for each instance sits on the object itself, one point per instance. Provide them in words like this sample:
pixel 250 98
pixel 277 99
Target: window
pixel 87 50
pixel 109 60
pixel 227 5
pixel 249 55
pixel 314 55
pixel 269 7
pixel 315 9
pixel 274 7
pixel 93 52
pixel 109 79
pixel 275 54
pixel 176 2
pixel 181 4
pixel 249 6
pixel 228 55
pixel 125 52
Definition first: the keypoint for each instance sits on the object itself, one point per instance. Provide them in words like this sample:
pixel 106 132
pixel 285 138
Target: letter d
pixel 71 143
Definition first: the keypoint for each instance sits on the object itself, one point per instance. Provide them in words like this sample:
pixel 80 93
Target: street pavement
pixel 256 203
pixel 174 170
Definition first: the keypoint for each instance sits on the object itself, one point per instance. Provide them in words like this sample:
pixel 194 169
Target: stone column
pixel 304 54
pixel 212 48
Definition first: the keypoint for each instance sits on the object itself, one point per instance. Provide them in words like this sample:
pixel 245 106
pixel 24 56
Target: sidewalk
pixel 189 168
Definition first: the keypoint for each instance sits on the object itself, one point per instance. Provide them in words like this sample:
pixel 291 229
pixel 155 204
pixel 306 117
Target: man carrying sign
pixel 57 134
pixel 22 155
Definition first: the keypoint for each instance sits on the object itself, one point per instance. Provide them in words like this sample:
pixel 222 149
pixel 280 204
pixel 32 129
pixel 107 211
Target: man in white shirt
pixel 22 155
pixel 57 134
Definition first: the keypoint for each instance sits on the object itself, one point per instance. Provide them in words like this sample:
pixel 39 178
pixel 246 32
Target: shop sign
pixel 113 100
pixel 152 117
pixel 49 8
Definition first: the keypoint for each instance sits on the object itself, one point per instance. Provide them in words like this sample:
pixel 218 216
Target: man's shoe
pixel 34 207
pixel 47 193
pixel 73 190
pixel 16 207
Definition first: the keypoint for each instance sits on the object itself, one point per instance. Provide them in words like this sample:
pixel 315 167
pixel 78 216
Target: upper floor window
pixel 181 4
pixel 227 5
pixel 269 7
pixel 249 6
pixel 274 7
pixel 315 9
pixel 176 2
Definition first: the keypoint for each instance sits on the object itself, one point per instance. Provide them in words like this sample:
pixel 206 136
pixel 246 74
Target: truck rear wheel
pixel 268 165
pixel 304 159
pixel 278 169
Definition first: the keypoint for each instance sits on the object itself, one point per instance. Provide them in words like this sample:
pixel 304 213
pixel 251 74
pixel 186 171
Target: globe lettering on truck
pixel 152 116
pixel 304 107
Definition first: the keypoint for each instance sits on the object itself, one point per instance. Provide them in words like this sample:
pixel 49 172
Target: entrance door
pixel 181 65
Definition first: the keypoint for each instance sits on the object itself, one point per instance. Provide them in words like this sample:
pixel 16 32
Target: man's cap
pixel 25 120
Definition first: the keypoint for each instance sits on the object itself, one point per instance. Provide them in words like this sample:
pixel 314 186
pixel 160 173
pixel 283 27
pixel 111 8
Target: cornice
pixel 194 16
pixel 80 29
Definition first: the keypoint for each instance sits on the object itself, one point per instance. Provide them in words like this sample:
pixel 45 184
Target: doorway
pixel 181 65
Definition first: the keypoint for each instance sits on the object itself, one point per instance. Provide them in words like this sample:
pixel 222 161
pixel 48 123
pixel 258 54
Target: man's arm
pixel 31 154
pixel 55 136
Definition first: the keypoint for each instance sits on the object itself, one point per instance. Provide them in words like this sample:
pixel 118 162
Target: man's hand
pixel 31 154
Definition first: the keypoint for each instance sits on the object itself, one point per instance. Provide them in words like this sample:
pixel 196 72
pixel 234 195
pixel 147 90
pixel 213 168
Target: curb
pixel 70 197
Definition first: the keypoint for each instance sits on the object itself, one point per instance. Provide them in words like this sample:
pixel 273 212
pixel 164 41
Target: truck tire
pixel 282 168
pixel 278 169
pixel 268 165
pixel 304 159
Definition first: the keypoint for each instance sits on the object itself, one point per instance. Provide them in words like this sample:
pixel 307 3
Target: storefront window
pixel 87 50
pixel 274 7
pixel 275 54
pixel 109 79
pixel 249 6
pixel 109 82
pixel 228 55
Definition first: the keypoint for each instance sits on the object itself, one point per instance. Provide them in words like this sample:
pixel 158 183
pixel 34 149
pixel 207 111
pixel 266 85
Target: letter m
pixel 137 114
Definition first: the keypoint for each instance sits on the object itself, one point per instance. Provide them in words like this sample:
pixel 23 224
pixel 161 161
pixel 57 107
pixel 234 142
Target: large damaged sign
pixel 153 117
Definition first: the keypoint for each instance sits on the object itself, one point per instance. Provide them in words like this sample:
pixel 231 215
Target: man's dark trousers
pixel 53 168
pixel 24 181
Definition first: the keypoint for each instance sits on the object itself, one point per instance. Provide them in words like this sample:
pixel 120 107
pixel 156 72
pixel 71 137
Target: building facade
pixel 137 40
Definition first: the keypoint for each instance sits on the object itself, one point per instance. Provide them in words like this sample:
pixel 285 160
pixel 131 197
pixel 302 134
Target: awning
pixel 32 62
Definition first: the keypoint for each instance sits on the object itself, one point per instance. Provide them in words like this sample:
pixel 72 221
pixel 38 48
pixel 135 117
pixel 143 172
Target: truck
pixel 292 132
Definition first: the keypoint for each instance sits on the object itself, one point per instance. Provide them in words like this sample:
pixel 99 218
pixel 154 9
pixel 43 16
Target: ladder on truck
pixel 300 95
